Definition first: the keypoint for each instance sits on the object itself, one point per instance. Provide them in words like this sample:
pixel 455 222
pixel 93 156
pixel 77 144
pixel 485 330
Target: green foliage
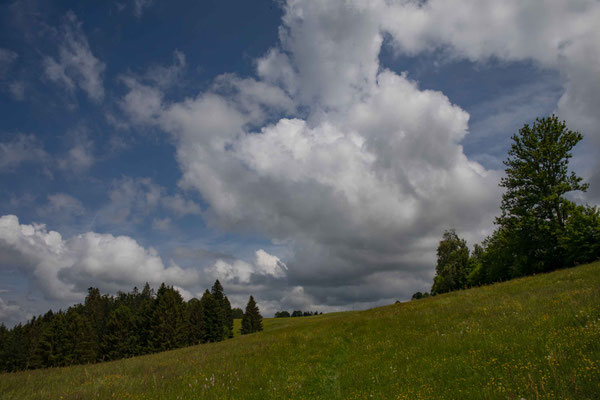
pixel 252 320
pixel 168 320
pixel 80 336
pixel 539 229
pixel 121 338
pixel 219 297
pixel 237 313
pixel 529 338
pixel 534 209
pixel 580 240
pixel 110 328
pixel 419 296
pixel 196 321
pixel 211 319
pixel 282 314
pixel 452 264
pixel 228 319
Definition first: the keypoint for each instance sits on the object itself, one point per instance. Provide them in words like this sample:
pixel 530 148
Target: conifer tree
pixel 4 350
pixel 195 314
pixel 144 322
pixel 97 308
pixel 168 320
pixel 227 310
pixel 120 339
pixel 218 295
pixel 81 339
pixel 252 320
pixel 213 328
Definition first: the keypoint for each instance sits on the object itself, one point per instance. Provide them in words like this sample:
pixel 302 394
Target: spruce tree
pixel 168 320
pixel 144 322
pixel 120 339
pixel 217 294
pixel 228 314
pixel 213 328
pixel 195 315
pixel 81 338
pixel 252 320
pixel 4 350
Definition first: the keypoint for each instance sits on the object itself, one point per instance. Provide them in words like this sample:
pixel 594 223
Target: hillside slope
pixel 532 338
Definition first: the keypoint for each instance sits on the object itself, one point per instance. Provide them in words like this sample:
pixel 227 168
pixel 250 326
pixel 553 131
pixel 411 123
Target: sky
pixel 309 153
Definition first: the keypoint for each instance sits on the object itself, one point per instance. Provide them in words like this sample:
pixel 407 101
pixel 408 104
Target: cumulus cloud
pixel 268 264
pixel 76 66
pixel 239 271
pixel 63 269
pixel 360 186
pixel 354 167
pixel 563 36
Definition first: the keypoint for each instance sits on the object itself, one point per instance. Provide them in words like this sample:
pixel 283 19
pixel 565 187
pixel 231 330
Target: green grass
pixel 532 338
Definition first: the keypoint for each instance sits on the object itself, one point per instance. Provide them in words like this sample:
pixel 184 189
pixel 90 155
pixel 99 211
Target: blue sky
pixel 308 153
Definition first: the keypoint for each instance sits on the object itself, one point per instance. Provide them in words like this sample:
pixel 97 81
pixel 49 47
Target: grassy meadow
pixel 531 338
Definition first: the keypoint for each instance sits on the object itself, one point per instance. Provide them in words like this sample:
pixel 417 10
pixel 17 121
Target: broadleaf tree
pixel 452 264
pixel 534 209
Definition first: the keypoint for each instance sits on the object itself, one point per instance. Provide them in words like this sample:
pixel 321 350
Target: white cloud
pixel 64 269
pixel 134 199
pixel 186 294
pixel 238 271
pixel 76 66
pixel 268 264
pixel 62 205
pixel 165 77
pixel 142 103
pixel 23 148
pixel 78 158
pixel 563 36
pixel 180 206
pixel 362 183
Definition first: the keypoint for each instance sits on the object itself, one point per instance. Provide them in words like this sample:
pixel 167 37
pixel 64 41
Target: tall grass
pixel 531 338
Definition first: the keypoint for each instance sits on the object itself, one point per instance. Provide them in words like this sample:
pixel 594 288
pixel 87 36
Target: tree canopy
pixel 539 229
pixel 452 263
pixel 106 327
pixel 534 209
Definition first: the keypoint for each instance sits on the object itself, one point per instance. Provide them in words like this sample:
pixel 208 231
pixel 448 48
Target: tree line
pixel 295 313
pixel 108 327
pixel 539 229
